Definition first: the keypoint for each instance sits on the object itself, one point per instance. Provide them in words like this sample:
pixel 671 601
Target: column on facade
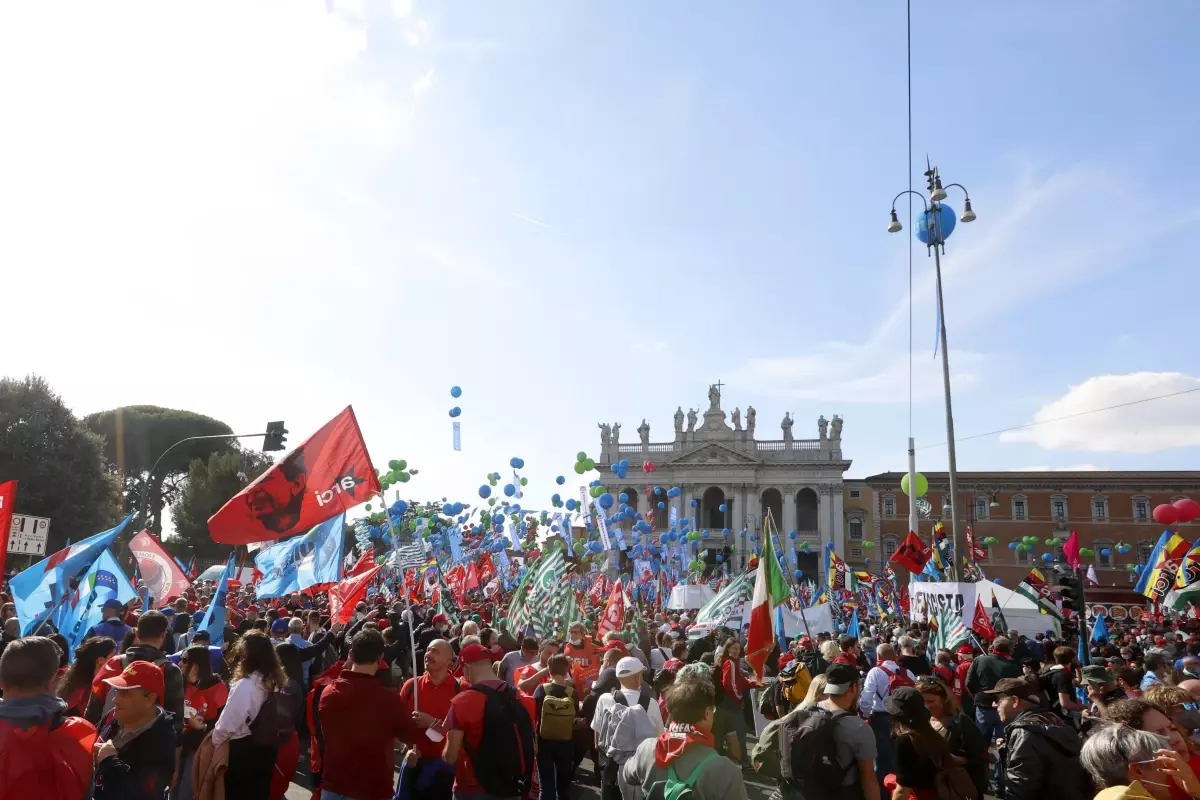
pixel 789 509
pixel 838 522
pixel 824 505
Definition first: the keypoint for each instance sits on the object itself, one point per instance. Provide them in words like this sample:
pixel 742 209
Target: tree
pixel 135 437
pixel 208 486
pixel 59 463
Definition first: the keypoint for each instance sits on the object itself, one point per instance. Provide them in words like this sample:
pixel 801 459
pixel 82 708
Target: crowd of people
pixel 149 707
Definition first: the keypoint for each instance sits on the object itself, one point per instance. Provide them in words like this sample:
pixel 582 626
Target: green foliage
pixel 135 437
pixel 59 463
pixel 208 486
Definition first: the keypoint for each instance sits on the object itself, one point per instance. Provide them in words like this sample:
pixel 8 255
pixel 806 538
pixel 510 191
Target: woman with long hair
pixel 960 731
pixel 249 721
pixel 204 697
pixel 920 753
pixel 728 665
pixel 289 752
pixel 77 682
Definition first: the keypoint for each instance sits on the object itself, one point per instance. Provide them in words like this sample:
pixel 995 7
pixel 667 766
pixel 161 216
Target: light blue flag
pixel 302 561
pixel 852 628
pixel 780 630
pixel 40 590
pixel 104 580
pixel 1100 630
pixel 455 539
pixel 214 617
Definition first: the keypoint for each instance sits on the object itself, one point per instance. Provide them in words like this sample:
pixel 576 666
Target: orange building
pixel 1106 508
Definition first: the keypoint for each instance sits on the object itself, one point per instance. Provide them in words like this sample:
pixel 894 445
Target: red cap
pixel 475 652
pixel 673 665
pixel 140 675
pixel 965 650
pixel 806 641
pixel 252 609
pixel 440 618
pixel 1159 640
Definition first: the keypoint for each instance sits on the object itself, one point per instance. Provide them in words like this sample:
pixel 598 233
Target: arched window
pixel 1102 547
pixel 806 510
pixel 890 543
pixel 855 526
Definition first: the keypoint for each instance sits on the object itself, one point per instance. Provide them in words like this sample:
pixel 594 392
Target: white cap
pixel 629 665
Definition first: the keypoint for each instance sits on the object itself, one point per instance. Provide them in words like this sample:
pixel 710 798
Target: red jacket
pixel 360 719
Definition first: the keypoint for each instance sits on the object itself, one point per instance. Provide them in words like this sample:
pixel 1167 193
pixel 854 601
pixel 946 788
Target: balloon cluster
pixel 455 392
pixel 649 466
pixel 1185 509
pixel 398 472
pixel 583 463
pixel 621 468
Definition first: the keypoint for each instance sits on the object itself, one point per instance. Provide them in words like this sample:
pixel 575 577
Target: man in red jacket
pixel 360 719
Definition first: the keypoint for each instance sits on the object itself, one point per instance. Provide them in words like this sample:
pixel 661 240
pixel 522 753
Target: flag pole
pixel 775 541
pixel 412 640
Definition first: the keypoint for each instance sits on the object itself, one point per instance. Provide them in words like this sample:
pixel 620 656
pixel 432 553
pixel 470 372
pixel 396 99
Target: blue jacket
pixel 113 628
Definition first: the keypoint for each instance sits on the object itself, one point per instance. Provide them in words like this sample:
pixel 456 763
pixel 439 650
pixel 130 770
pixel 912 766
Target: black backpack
pixel 504 764
pixel 275 722
pixel 808 757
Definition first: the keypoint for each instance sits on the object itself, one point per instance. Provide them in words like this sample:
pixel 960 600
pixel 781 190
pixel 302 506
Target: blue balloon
pixel 791 534
pixel 1047 557
pixel 555 499
pixel 623 497
pixel 509 490
pixel 693 502
pixel 624 462
pixel 724 531
pixel 399 507
pixel 799 574
pixel 455 391
pixel 606 500
pixel 1104 551
pixel 720 558
pixel 516 463
pixel 722 508
pixel 454 412
pixel 945 224
pixel 662 505
pixel 1012 545
pixel 658 490
pixel 571 504
pixel 997 581
pixel 560 480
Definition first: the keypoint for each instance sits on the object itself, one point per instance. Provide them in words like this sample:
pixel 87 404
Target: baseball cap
pixel 629 665
pixel 440 618
pixel 279 626
pixel 140 675
pixel 475 652
pixel 806 641
pixel 1014 687
pixel 965 650
pixel 1097 675
pixel 113 604
pixel 197 617
pixel 840 677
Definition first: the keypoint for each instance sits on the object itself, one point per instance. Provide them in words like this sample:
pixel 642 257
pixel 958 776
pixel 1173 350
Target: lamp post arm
pixel 924 202
pixel 150 474
pixel 959 185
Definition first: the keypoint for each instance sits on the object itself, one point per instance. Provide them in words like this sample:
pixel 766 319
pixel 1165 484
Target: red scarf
pixel 678 737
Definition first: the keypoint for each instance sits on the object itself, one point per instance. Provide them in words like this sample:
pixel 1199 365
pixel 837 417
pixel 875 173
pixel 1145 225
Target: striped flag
pixel 1158 576
pixel 950 631
pixel 720 610
pixel 412 556
pixel 543 595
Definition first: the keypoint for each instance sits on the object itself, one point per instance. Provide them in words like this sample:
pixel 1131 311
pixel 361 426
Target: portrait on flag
pixel 163 578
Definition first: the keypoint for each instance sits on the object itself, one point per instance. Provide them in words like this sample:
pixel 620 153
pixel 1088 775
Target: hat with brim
pixel 629 666
pixel 1097 675
pixel 839 679
pixel 1013 687
pixel 140 675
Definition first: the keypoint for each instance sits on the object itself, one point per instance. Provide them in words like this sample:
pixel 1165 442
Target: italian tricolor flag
pixel 770 589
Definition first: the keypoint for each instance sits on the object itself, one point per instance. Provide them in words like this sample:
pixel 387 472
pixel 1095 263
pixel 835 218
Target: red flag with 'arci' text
pixel 328 474
pixel 8 498
pixel 614 612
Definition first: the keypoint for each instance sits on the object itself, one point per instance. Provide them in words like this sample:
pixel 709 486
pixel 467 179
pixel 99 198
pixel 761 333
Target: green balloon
pixel 580 468
pixel 403 476
pixel 578 547
pixel 491 501
pixel 868 544
pixel 581 456
pixel 368 506
pixel 400 465
pixel 524 481
pixel 588 465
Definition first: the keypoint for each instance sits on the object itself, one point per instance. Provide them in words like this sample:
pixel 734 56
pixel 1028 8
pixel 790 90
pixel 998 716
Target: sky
pixel 584 212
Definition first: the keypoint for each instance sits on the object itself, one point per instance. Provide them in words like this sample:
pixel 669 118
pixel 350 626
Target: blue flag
pixel 1100 630
pixel 302 561
pixel 214 617
pixel 780 632
pixel 104 580
pixel 40 590
pixel 852 628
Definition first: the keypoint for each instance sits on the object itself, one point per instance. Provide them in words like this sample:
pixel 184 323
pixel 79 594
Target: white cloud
pixel 423 84
pixel 1135 428
pixel 857 374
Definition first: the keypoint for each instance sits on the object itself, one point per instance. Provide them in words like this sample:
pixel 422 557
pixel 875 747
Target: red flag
pixel 614 612
pixel 364 563
pixel 328 474
pixel 1071 550
pixel 348 593
pixel 454 582
pixel 982 624
pixel 912 554
pixel 487 569
pixel 977 552
pixel 162 576
pixel 8 498
pixel 471 581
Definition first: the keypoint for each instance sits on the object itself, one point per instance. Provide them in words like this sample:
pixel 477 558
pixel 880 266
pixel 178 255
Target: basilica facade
pixel 717 460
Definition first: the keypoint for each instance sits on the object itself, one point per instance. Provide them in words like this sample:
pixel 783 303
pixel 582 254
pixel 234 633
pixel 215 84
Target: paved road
pixel 755 788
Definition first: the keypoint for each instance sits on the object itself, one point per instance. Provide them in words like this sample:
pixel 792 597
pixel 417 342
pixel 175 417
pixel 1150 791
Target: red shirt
pixel 360 718
pixel 466 715
pixel 208 702
pixel 733 681
pixel 434 699
pixel 846 658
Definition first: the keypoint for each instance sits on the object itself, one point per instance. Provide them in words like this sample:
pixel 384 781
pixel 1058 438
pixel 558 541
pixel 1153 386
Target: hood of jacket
pixel 27 712
pixel 144 652
pixel 1050 727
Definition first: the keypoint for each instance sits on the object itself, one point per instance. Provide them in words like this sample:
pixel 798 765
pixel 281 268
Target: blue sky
pixel 591 211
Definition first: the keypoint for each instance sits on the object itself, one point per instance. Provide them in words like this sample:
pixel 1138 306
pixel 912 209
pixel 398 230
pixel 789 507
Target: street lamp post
pixel 937 223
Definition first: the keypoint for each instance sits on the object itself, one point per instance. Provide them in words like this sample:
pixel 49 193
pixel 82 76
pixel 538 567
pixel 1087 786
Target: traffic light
pixel 276 437
pixel 1070 589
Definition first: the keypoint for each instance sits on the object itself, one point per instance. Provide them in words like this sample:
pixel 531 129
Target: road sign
pixel 28 535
